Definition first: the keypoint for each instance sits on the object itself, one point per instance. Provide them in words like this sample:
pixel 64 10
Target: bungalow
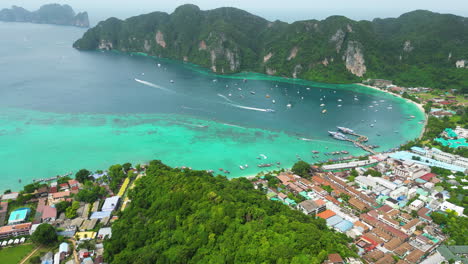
pixel 49 214
pixel 312 207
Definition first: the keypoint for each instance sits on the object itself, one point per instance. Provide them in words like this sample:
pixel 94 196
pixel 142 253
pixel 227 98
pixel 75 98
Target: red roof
pixel 326 214
pixel 64 185
pixel 53 189
pixel 49 212
pixel 428 176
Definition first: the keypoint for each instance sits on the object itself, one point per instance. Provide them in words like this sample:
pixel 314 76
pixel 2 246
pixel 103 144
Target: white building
pixel 403 190
pixel 416 205
pixel 450 206
pixel 110 204
pixel 410 169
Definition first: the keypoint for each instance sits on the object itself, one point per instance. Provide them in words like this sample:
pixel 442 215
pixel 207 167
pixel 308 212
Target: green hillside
pixel 419 48
pixel 191 217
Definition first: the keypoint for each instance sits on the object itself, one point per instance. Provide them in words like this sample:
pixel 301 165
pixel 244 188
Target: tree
pixel 90 193
pixel 35 260
pixel 302 169
pixel 439 218
pixel 82 175
pixel 373 173
pixel 71 210
pixel 44 235
pixel 126 167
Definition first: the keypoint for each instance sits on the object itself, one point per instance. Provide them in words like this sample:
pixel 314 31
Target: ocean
pixel 62 110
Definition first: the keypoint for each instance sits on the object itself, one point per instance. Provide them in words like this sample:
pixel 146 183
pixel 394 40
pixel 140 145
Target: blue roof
pixel 19 215
pixel 100 215
pixel 405 155
pixel 332 221
pixel 344 225
pixel 63 247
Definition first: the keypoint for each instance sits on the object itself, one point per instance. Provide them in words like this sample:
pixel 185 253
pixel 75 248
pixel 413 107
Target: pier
pixel 359 142
pixel 52 178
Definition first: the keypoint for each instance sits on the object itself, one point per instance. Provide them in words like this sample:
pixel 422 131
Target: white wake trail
pixel 153 85
pixel 225 98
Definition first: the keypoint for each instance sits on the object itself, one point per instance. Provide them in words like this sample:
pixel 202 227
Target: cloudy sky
pixel 289 10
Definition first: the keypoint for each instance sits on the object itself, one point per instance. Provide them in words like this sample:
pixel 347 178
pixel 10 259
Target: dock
pixel 359 142
pixel 52 178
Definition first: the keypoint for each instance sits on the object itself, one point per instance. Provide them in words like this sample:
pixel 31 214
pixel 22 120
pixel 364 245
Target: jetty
pixel 359 142
pixel 52 178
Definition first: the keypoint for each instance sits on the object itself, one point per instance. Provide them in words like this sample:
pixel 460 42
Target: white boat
pixel 273 101
pixel 246 165
pixel 172 81
pixel 159 65
pixel 240 89
pixel 322 105
pixel 241 167
pixel 324 111
pixel 302 97
pixel 308 89
pixel 289 105
pixel 229 94
pixel 339 100
pixel 339 105
pixel 143 73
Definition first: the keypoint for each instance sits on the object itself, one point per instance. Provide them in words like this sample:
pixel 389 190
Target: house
pixel 85 235
pixel 59 196
pixel 312 207
pixel 49 214
pixel 416 205
pixel 64 250
pixel 335 259
pixel 42 192
pixel 110 204
pixel 410 227
pixel 15 230
pixel 105 232
pixel 10 196
pixel 358 204
pixel 414 256
pixel 450 206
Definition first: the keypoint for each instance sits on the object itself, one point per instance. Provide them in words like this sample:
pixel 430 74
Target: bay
pixel 62 110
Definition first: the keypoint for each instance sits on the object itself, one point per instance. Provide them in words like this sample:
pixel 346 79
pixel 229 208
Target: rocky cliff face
pixel 337 49
pixel 47 14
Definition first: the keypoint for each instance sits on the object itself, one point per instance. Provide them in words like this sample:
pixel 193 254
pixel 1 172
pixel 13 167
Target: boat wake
pixel 231 103
pixel 196 109
pixel 153 85
pixel 225 98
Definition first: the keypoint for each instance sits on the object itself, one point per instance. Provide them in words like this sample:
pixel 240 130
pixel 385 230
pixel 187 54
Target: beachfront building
pixel 19 216
pixel 410 169
pixel 15 230
pixel 439 155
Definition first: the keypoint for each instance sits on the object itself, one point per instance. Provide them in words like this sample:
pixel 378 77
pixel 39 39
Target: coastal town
pixel 390 204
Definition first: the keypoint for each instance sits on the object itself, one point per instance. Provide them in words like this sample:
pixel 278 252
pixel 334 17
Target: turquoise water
pixel 62 110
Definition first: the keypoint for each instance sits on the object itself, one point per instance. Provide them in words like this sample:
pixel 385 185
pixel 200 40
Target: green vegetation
pixel 90 193
pixel 373 173
pixel 82 175
pixel 71 211
pixel 13 255
pixel 184 216
pixel 44 235
pixel 302 169
pixel 455 226
pixel 419 48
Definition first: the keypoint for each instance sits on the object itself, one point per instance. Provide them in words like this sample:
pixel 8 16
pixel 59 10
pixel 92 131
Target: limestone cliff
pixel 47 14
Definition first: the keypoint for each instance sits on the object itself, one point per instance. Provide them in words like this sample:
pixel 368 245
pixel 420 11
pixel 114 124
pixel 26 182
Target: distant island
pixel 48 14
pixel 419 48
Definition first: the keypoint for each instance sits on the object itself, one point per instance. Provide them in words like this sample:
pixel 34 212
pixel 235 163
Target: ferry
pixel 337 135
pixel 345 130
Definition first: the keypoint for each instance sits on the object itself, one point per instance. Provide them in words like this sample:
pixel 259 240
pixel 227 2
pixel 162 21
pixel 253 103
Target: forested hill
pixel 47 14
pixel 191 217
pixel 418 48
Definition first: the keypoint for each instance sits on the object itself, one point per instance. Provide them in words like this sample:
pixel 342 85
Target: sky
pixel 289 11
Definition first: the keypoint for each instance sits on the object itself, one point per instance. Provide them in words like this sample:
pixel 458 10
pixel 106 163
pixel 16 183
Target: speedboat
pixel 308 89
pixel 252 92
pixel 339 100
pixel 289 105
pixel 269 110
pixel 324 111
pixel 322 105
pixel 240 89
pixel 241 167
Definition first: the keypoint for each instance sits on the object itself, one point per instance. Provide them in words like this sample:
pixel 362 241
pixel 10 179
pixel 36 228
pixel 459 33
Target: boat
pixel 337 135
pixel 264 165
pixel 322 105
pixel 324 111
pixel 315 152
pixel 269 110
pixel 345 130
pixel 289 105
pixel 372 125
pixel 143 73
pixel 252 92
pixel 339 100
pixel 263 156
pixel 356 99
pixel 273 101
pixel 241 167
pixel 302 97
pixel 246 165
pixel 229 94
pixel 339 105
pixel 267 96
pixel 159 65
pixel 308 89
pixel 240 89
pixel 172 81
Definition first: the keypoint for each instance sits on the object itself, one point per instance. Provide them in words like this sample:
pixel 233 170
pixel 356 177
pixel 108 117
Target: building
pixel 334 259
pixel 312 207
pixel 110 204
pixel 19 216
pixel 105 232
pixel 416 205
pixel 49 214
pixel 450 206
pixel 15 230
pixel 410 169
pixel 10 196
